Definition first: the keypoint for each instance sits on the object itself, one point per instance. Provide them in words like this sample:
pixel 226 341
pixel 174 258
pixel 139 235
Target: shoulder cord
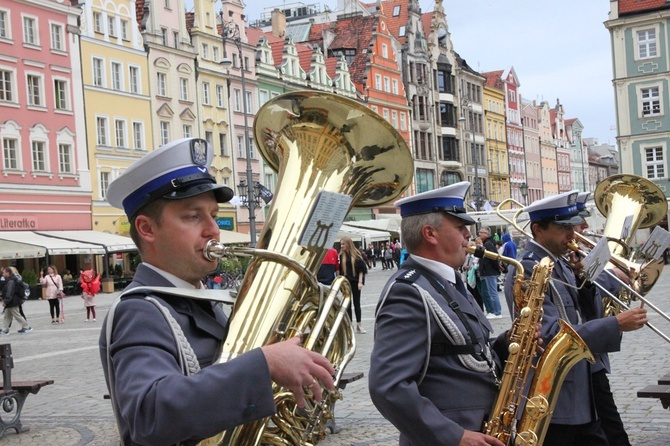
pixel 454 335
pixel 188 361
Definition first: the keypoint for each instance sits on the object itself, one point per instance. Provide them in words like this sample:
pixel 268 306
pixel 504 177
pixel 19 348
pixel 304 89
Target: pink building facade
pixel 44 175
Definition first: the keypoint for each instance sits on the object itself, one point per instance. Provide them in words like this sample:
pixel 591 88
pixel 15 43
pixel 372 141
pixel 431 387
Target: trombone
pixel 574 247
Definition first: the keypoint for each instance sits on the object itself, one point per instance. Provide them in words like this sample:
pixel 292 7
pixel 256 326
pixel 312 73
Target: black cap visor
pixel 223 194
pixel 463 216
pixel 567 220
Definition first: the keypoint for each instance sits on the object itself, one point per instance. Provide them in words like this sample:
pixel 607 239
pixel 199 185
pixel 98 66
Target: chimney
pixel 278 23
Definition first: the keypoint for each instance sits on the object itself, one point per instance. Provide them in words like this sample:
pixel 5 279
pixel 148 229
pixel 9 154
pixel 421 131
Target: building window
pixel 61 94
pixel 120 132
pixel 104 184
pixel 183 89
pixel 450 150
pixel 378 81
pixel 385 51
pixel 651 101
pixel 39 156
pixel 394 85
pixel 396 10
pixel 215 53
pixel 4 25
pixel 65 158
pixel 161 84
pixel 117 83
pixel 237 98
pixel 57 37
pixel 394 118
pixel 175 38
pixel 10 160
pixel 205 51
pixel 646 43
pixel 222 144
pixel 402 31
pixel 34 90
pixel 111 22
pixel 165 132
pixel 98 73
pixel 6 87
pixel 655 163
pixel 164 36
pixel 187 130
pixel 240 146
pixel 101 129
pixel 422 149
pixel 124 30
pixel 424 180
pixel 30 35
pixel 134 78
pixel 250 109
pixel 387 84
pixel 97 22
pixel 403 122
pixel 138 136
pixel 219 96
pixel 205 93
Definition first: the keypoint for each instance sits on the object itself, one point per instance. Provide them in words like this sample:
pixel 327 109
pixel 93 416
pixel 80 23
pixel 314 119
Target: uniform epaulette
pixel 410 276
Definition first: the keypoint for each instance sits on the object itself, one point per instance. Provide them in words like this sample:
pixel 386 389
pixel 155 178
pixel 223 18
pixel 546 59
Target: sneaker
pixel 360 329
pixel 93 319
pixel 25 330
pixel 4 332
pixel 493 316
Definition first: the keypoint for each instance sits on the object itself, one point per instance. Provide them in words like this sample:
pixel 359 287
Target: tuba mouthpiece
pixel 214 249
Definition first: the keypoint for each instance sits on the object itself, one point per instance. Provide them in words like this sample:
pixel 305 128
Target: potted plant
pixel 30 277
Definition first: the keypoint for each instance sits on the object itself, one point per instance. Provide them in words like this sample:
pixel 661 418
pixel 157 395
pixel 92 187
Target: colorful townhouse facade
pixel 211 100
pixel 641 64
pixel 45 183
pixel 563 152
pixel 547 150
pixel 118 103
pixel 579 162
pixel 496 143
pixel 531 147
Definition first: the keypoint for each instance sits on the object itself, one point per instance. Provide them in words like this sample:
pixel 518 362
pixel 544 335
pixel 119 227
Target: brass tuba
pixel 324 147
pixel 629 203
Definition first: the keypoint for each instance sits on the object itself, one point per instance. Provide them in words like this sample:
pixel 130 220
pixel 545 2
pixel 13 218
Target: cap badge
pixel 199 152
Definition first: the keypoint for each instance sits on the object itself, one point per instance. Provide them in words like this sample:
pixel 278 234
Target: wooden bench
pixel 345 379
pixel 660 391
pixel 13 394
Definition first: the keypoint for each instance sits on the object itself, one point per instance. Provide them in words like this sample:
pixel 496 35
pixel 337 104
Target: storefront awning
pixel 232 237
pixel 109 242
pixel 360 234
pixel 16 250
pixel 51 245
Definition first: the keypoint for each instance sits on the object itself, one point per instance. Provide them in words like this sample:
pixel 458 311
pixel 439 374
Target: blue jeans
pixel 492 295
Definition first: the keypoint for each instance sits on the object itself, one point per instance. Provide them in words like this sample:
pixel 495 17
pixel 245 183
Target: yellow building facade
pixel 496 142
pixel 116 94
pixel 213 108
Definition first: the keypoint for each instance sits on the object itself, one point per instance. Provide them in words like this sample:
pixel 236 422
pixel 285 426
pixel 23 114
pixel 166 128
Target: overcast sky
pixel 559 49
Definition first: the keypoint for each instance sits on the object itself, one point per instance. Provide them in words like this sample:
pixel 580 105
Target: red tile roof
pixel 190 18
pixel 494 79
pixel 633 6
pixel 139 13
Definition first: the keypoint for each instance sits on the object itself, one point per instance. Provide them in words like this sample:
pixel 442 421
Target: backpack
pixel 21 291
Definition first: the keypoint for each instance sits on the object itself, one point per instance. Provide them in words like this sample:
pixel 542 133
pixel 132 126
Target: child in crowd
pixel 90 285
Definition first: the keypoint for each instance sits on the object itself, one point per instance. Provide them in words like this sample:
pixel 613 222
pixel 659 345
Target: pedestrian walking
pixel 13 295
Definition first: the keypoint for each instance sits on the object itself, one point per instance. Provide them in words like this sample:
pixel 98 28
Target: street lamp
pixel 475 159
pixel 231 31
pixel 524 193
pixel 249 200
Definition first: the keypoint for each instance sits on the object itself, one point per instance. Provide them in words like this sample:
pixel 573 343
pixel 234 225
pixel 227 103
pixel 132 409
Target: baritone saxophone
pixel 563 352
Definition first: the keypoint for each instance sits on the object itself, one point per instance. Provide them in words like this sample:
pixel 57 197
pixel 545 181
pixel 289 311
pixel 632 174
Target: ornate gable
pixel 290 67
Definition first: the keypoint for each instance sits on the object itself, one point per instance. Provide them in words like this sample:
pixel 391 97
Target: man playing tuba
pixel 159 349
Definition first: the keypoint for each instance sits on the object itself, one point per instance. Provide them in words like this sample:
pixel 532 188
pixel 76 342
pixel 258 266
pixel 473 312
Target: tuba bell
pixel 629 203
pixel 331 154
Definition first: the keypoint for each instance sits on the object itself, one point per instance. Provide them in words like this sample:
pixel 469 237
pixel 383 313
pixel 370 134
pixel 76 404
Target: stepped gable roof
pixel 277 45
pixel 350 33
pixel 393 24
pixel 494 79
pixel 331 67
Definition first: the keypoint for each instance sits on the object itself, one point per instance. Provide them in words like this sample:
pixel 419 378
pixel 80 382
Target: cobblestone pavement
pixel 72 411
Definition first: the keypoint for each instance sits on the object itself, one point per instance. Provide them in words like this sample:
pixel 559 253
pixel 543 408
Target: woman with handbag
pixel 54 291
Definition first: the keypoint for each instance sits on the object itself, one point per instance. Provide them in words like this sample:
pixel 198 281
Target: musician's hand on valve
pixel 471 438
pixel 632 319
pixel 298 369
pixel 576 264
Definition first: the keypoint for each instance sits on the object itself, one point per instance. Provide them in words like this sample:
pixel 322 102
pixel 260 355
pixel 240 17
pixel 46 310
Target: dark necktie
pixel 460 286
